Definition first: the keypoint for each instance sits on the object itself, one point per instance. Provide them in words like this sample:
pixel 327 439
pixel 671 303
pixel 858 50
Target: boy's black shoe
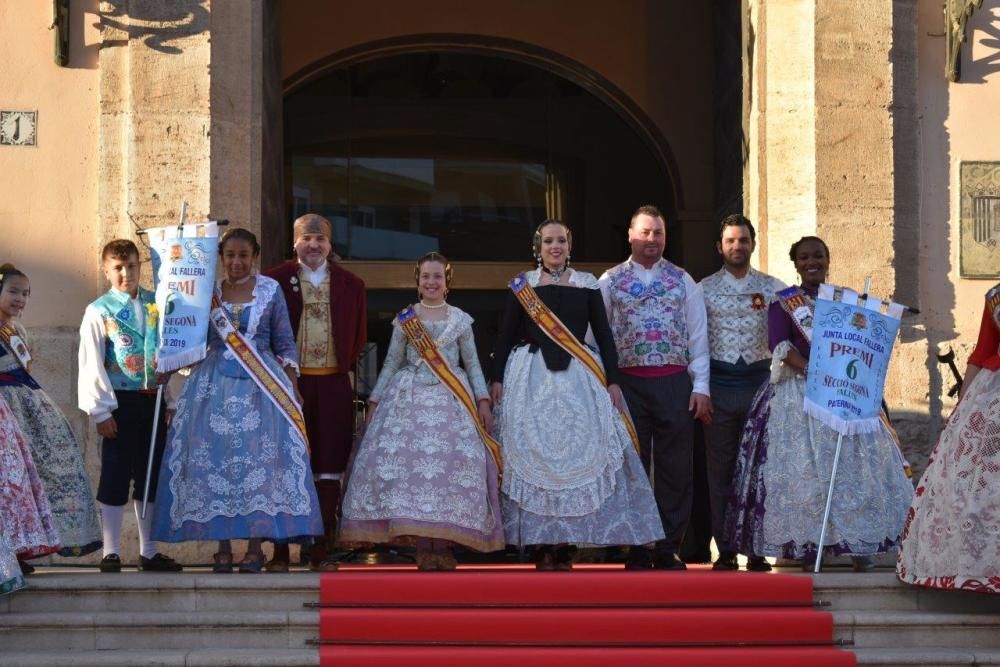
pixel 111 563
pixel 159 563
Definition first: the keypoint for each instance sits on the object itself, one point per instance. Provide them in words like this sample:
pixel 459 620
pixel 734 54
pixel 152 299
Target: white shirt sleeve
pixel 697 326
pixel 604 284
pixel 95 395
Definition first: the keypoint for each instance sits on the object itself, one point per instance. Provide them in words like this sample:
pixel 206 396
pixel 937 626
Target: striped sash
pixel 255 367
pixel 993 304
pixel 424 344
pixel 796 304
pixel 548 322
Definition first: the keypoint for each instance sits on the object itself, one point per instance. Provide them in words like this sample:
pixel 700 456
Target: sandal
pixel 252 563
pixel 223 563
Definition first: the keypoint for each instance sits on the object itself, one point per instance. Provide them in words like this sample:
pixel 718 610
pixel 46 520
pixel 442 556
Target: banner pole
pixel 829 502
pixel 159 396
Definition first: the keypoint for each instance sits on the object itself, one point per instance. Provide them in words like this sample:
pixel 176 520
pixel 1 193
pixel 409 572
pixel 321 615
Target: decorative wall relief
pixel 980 220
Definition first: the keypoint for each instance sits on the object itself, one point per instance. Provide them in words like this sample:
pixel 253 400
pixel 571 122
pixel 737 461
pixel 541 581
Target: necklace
pixel 240 281
pixel 440 305
pixel 555 274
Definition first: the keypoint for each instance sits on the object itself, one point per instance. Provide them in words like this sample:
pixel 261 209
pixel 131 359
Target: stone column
pixel 180 119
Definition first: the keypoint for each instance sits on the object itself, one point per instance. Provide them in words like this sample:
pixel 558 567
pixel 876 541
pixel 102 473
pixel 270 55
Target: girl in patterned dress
pixel 53 446
pixel 422 475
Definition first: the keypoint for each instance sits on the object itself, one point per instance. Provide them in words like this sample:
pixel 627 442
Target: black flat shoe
pixel 26 567
pixel 758 564
pixel 111 563
pixel 668 562
pixel 726 561
pixel 159 563
pixel 639 558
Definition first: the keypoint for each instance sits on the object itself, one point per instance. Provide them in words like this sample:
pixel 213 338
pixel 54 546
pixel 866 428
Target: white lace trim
pixel 578 278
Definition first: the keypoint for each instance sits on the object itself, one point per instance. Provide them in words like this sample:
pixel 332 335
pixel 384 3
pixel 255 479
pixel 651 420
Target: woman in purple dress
pixel 783 471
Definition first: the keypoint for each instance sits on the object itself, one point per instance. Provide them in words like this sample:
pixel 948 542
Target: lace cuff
pixel 780 371
pixel 285 363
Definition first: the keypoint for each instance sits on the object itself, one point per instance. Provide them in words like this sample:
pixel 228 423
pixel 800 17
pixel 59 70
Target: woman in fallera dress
pixel 783 468
pixel 236 466
pixel 952 534
pixel 56 453
pixel 571 473
pixel 423 475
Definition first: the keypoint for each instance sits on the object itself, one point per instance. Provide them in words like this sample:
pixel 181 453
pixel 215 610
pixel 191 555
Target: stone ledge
pixel 166 658
pixel 904 657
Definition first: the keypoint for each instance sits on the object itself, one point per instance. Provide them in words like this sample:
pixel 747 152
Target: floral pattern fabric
pixel 11 578
pixel 27 526
pixel 782 477
pixel 234 466
pixel 421 469
pixel 57 457
pixel 316 345
pixel 648 321
pixel 952 534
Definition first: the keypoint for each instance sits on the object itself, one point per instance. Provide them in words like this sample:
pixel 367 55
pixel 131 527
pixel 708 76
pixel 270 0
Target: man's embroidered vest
pixel 649 322
pixel 315 340
pixel 129 347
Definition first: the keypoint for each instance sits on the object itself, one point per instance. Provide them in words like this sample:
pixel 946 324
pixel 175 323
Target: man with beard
pixel 736 298
pixel 657 316
pixel 328 312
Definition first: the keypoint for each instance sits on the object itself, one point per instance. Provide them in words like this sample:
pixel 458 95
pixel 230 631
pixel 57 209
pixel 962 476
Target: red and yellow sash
pixel 15 343
pixel 424 344
pixel 797 305
pixel 258 371
pixel 558 332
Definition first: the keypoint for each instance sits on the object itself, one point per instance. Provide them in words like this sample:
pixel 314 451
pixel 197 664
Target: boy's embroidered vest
pixel 129 346
pixel 648 321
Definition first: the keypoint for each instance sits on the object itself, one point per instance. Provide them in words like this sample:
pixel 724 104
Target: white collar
pixel 316 276
pixel 637 266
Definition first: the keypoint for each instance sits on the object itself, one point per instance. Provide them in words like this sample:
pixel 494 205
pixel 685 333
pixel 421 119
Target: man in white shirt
pixel 657 316
pixel 736 299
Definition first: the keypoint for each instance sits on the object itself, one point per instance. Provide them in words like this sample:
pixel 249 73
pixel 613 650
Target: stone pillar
pixel 781 172
pixel 832 128
pixel 180 119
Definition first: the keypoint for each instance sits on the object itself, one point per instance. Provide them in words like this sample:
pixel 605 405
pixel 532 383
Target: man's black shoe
pixel 758 564
pixel 668 562
pixel 726 561
pixel 159 563
pixel 111 563
pixel 639 558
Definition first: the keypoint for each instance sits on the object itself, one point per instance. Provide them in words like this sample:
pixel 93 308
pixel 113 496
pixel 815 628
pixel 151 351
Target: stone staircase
pixel 197 619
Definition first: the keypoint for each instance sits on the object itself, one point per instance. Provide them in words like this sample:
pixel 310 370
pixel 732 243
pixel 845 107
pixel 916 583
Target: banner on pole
pixel 852 343
pixel 184 261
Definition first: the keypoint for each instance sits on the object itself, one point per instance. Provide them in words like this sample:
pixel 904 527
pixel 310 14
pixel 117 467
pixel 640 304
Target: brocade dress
pixel 11 578
pixel 234 467
pixel 783 470
pixel 57 455
pixel 27 527
pixel 571 472
pixel 421 469
pixel 952 534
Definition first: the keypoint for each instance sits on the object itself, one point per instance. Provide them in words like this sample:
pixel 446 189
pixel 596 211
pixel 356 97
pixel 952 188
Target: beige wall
pixel 48 193
pixel 958 123
pixel 655 52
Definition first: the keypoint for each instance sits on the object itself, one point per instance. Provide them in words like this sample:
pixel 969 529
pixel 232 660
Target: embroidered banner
pixel 852 343
pixel 548 322
pixel 184 275
pixel 993 304
pixel 421 340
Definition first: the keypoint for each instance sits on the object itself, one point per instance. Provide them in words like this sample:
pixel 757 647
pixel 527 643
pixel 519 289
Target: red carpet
pixel 585 617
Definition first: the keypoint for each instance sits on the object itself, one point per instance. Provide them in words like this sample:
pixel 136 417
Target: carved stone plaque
pixel 17 128
pixel 980 220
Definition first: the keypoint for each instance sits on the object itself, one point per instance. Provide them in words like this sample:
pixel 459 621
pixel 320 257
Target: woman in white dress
pixel 571 473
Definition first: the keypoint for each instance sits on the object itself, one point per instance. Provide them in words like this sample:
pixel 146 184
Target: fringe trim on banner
pixel 845 426
pixel 182 359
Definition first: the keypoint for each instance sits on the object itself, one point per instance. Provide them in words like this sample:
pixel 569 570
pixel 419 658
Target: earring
pixel 538 260
pixel 567 260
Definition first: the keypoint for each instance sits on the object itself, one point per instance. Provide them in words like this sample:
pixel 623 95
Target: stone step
pixel 213 657
pixel 877 629
pixel 882 591
pixel 55 590
pixel 936 657
pixel 69 631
